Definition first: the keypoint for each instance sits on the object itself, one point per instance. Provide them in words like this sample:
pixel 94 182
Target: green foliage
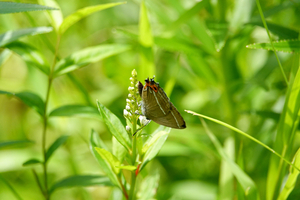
pixel 11 36
pixel 12 7
pixel 233 63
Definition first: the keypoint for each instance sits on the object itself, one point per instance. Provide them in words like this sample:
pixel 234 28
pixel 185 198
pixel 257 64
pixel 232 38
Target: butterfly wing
pixel 173 119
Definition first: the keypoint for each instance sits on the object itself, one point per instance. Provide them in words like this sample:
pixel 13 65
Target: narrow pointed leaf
pixel 11 36
pixel 58 142
pixel 115 126
pixel 32 162
pixel 289 46
pixel 110 159
pixel 78 15
pixel 76 110
pixel 15 143
pixel 154 144
pixel 13 7
pixel 95 142
pixel 30 99
pixel 31 55
pixel 87 56
pixel 81 181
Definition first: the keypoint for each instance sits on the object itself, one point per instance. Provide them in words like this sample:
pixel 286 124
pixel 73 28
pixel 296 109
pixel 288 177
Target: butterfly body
pixel 156 106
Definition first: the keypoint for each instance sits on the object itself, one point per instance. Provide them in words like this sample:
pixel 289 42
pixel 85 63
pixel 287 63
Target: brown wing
pixel 173 119
pixel 155 104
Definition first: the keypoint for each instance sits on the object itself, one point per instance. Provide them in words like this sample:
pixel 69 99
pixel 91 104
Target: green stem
pixel 45 120
pixel 133 177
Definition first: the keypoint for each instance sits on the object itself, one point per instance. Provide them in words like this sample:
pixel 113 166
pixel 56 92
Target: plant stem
pixel 45 120
pixel 133 177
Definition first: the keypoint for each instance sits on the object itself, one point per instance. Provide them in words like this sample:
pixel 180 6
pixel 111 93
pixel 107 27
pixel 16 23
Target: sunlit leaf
pixel 11 36
pixel 95 142
pixel 115 126
pixel 75 110
pixel 110 159
pixel 55 17
pixel 81 181
pixel 32 162
pixel 81 13
pixel 154 144
pixel 58 142
pixel 30 55
pixel 30 99
pixel 289 46
pixel 13 7
pixel 87 56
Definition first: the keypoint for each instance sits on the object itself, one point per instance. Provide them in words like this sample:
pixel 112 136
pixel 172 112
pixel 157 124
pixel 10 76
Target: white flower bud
pixel 127 107
pixel 130 88
pixel 143 119
pixel 130 95
pixel 127 101
pixel 128 129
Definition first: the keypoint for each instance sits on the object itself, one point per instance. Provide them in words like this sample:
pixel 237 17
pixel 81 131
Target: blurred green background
pixel 201 61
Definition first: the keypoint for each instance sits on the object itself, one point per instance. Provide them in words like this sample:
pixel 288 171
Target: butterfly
pixel 156 105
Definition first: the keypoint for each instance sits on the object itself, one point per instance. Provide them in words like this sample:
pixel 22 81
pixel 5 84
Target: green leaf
pixel 95 142
pixel 15 143
pixel 12 7
pixel 246 182
pixel 30 99
pixel 81 181
pixel 110 159
pixel 226 178
pixel 285 136
pixel 291 179
pixel 127 167
pixel 154 144
pixel 87 56
pixel 149 187
pixel 115 126
pixel 75 110
pixel 118 149
pixel 281 31
pixel 55 17
pixel 147 67
pixel 187 15
pixel 11 36
pixel 78 15
pixel 289 46
pixel 32 162
pixel 30 55
pixel 58 142
pixel 4 55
